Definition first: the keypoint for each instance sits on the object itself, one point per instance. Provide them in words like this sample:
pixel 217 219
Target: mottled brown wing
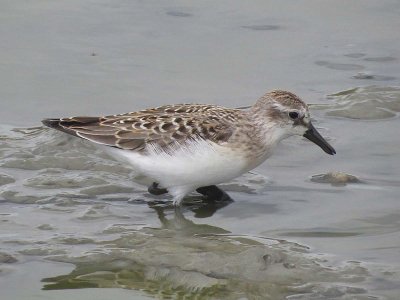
pixel 172 110
pixel 91 128
pixel 134 131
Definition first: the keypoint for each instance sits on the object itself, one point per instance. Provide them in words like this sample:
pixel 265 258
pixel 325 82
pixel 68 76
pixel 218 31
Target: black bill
pixel 313 135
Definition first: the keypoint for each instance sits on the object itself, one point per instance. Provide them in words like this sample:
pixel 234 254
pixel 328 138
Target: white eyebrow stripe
pixel 279 106
pixel 302 111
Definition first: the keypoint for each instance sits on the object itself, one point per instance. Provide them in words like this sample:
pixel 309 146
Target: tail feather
pixel 57 124
pixel 52 123
pixel 65 124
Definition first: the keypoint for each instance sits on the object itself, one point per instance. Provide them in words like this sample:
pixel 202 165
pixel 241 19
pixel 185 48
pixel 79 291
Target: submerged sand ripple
pixel 364 103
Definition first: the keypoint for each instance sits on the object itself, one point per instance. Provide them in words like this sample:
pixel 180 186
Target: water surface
pixel 75 222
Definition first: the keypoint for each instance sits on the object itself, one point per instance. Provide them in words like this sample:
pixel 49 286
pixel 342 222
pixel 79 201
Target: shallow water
pixel 303 225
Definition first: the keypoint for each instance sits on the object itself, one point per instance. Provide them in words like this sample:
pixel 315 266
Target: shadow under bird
pixel 188 147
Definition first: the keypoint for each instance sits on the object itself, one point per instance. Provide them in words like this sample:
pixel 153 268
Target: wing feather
pixel 163 126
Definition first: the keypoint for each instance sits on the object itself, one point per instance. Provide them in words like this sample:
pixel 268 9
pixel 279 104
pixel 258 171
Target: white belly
pixel 199 164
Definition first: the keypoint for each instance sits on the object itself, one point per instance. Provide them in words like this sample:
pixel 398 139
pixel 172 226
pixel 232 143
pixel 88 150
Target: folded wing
pixel 162 127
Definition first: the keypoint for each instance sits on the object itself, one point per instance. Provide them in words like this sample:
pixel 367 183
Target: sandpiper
pixel 188 147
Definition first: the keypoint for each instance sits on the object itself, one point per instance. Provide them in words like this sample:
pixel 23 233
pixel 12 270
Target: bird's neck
pixel 265 134
pixel 270 131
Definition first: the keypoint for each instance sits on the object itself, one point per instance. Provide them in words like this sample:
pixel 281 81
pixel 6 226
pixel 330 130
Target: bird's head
pixel 289 116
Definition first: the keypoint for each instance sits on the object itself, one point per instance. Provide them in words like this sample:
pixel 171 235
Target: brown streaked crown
pixel 287 99
pixel 284 98
pixel 276 104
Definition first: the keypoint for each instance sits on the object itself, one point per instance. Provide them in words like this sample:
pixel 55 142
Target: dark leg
pixel 212 192
pixel 155 190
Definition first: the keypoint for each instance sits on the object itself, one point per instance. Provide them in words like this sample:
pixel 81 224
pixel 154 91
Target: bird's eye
pixel 293 115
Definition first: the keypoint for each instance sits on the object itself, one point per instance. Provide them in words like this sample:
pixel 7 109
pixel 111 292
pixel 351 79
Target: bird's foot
pixel 214 193
pixel 155 190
